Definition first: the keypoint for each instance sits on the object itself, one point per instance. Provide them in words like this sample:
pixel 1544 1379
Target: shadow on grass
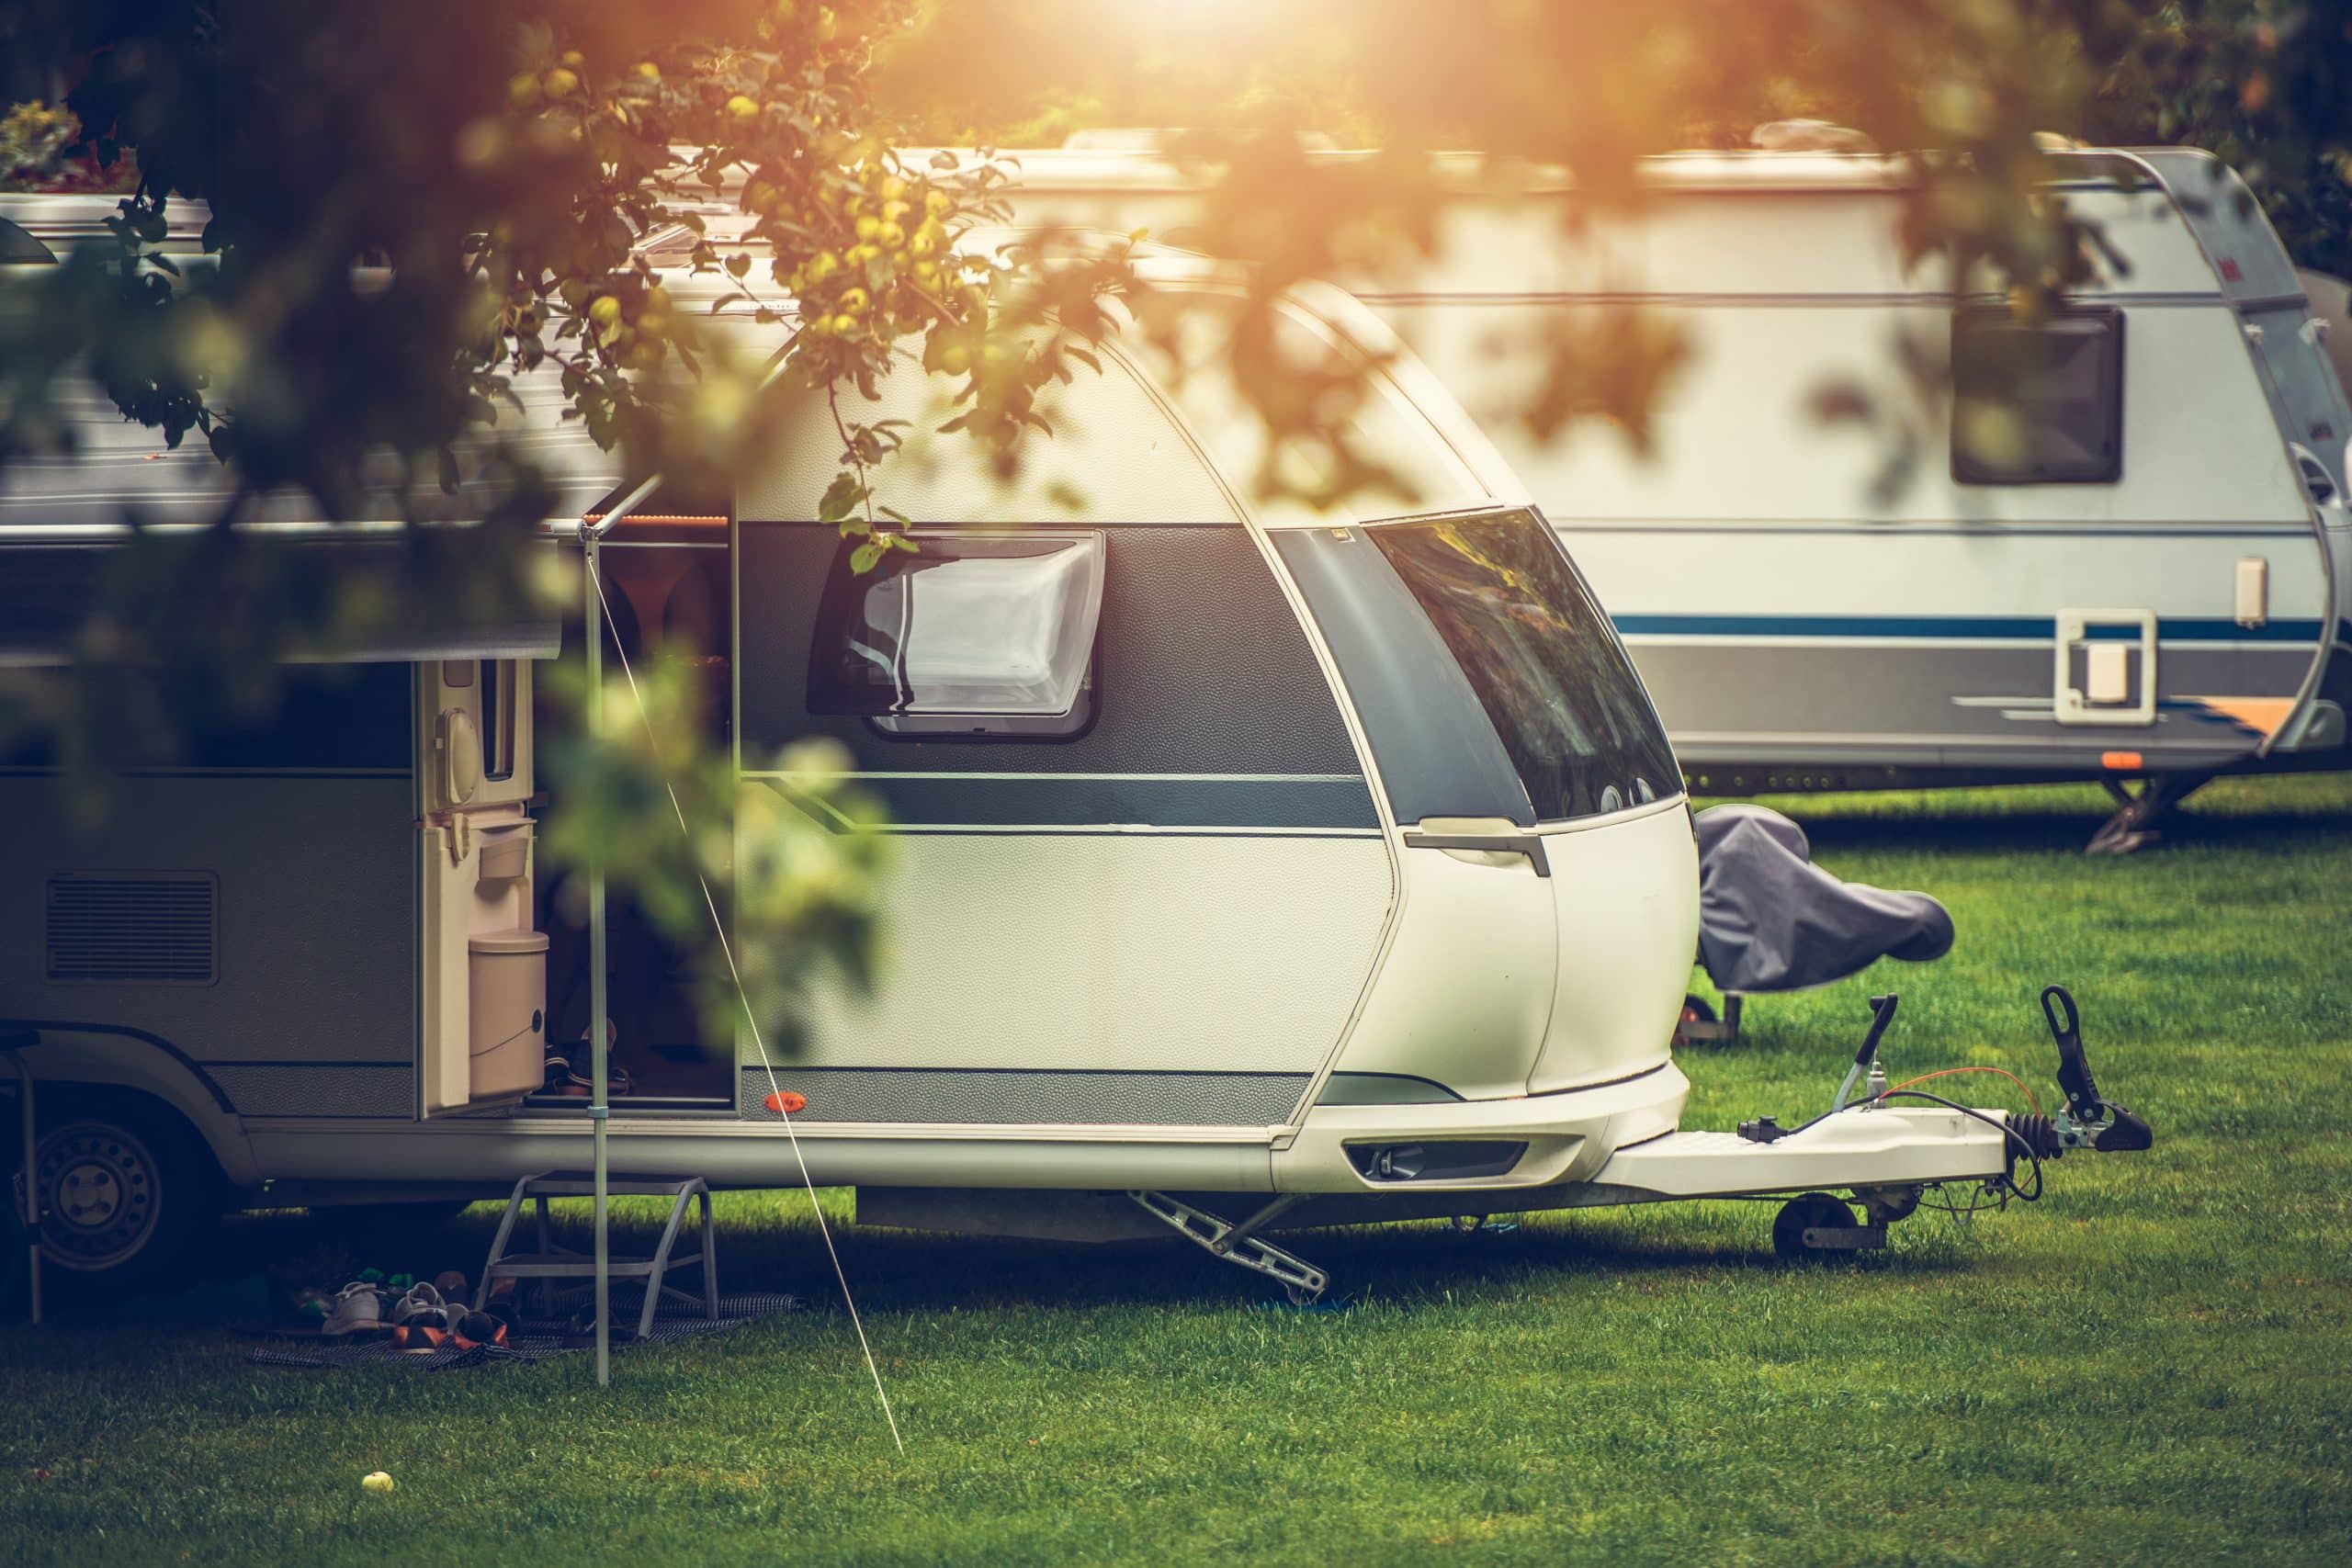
pixel 2059 831
pixel 261 1259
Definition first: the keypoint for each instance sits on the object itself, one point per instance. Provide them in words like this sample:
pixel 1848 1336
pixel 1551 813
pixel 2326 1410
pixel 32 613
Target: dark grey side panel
pixel 365 1091
pixel 1203 670
pixel 944 1094
pixel 1438 756
pixel 1263 801
pixel 1941 706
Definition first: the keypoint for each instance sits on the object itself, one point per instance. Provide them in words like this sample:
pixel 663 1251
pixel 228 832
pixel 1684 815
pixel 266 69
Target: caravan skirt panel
pixel 1014 1097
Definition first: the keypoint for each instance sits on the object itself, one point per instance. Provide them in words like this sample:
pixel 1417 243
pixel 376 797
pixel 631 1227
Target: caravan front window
pixel 1542 659
pixel 972 637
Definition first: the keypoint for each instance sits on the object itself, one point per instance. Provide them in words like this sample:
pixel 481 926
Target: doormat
pixel 530 1340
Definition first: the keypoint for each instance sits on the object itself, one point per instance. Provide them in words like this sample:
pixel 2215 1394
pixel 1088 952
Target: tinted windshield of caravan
pixel 1544 659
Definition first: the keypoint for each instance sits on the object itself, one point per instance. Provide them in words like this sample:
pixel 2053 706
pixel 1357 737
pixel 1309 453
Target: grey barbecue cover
pixel 1770 920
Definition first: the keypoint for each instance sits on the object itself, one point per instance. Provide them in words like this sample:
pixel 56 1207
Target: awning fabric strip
pixel 48 590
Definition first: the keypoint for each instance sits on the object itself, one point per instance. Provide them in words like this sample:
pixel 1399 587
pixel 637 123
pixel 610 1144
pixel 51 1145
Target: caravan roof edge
pixel 51 218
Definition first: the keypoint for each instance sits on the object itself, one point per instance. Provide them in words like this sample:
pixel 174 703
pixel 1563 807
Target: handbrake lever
pixel 2109 1127
pixel 2074 1067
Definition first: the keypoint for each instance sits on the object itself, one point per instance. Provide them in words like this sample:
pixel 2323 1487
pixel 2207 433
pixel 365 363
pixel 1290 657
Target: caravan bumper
pixel 1566 1136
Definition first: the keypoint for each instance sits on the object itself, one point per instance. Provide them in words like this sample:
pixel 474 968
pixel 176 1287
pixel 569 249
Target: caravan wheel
pixel 125 1190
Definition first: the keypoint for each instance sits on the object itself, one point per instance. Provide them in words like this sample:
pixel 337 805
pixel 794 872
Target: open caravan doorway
pixel 666 582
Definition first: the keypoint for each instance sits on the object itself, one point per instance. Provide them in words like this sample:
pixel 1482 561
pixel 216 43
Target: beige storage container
pixel 508 976
pixel 506 855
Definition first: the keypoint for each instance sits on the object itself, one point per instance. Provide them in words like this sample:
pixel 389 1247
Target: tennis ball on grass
pixel 375 1480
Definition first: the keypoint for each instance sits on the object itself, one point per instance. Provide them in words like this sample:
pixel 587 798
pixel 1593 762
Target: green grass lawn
pixel 2153 1363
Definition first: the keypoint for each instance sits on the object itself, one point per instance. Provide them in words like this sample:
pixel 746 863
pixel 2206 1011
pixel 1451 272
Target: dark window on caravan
pixel 973 637
pixel 2037 404
pixel 1211 709
pixel 1545 662
pixel 1536 715
pixel 497 682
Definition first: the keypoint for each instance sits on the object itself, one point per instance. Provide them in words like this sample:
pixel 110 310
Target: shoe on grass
pixel 476 1328
pixel 358 1308
pixel 422 1305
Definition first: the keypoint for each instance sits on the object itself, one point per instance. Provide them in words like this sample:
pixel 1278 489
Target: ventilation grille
pixel 133 929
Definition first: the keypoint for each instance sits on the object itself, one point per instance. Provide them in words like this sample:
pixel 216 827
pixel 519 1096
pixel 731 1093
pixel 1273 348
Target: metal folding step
pixel 552 1262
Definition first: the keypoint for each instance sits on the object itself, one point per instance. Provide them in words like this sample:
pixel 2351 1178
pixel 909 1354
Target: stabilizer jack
pixel 1238 1242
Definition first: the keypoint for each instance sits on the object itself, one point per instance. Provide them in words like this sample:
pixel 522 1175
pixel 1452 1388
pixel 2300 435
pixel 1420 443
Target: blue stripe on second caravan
pixel 1941 629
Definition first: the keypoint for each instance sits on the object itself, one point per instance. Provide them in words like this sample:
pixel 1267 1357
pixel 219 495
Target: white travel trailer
pixel 2151 587
pixel 1312 867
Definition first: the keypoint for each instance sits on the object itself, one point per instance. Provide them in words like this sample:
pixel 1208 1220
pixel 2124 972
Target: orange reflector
pixel 2120 762
pixel 784 1103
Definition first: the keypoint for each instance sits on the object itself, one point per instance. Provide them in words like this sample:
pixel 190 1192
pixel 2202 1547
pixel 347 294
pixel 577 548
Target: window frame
pixel 1969 469
pixel 966 727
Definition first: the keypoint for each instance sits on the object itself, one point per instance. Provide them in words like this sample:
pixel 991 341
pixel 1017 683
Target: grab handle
pixel 1527 845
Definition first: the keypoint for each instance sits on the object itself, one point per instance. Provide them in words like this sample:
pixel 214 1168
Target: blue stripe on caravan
pixel 2017 629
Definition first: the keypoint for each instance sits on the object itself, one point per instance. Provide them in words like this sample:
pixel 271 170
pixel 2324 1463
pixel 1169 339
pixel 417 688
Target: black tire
pixel 128 1192
pixel 1814 1210
pixel 1696 1008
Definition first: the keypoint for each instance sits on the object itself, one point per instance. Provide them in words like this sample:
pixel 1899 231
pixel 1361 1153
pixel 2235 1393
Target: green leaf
pixel 862 559
pixel 840 498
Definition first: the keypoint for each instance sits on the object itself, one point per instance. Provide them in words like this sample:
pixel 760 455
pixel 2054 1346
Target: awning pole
pixel 599 1111
pixel 599 1108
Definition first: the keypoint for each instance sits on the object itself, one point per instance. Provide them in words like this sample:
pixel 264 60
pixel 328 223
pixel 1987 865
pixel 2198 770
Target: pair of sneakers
pixel 425 1320
pixel 357 1308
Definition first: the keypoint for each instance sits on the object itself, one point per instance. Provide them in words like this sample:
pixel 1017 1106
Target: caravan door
pixel 483 967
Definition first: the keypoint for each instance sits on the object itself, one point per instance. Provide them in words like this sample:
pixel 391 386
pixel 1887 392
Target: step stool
pixel 552 1262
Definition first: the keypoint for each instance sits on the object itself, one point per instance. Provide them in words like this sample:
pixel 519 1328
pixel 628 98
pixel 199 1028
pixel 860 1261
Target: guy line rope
pixel 774 1090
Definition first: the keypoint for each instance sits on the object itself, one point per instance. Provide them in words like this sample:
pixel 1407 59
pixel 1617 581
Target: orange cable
pixel 1946 1072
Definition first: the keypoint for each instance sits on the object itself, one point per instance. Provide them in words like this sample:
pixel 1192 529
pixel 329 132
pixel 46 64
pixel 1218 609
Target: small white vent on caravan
pixel 157 928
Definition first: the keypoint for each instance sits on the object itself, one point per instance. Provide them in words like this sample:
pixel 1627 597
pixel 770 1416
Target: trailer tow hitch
pixel 2088 1122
